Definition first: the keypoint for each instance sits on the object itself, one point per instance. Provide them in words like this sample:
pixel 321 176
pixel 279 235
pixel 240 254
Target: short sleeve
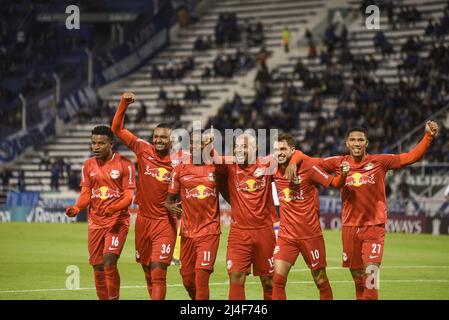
pixel 174 186
pixel 129 176
pixel 85 182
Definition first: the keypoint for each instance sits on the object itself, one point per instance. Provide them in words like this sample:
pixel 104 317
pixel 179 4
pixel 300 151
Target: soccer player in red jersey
pixel 300 230
pixel 107 188
pixel 251 238
pixel 200 224
pixel 364 212
pixel 155 229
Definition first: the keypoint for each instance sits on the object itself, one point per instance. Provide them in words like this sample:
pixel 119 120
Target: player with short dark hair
pixel 200 224
pixel 364 211
pixel 299 228
pixel 107 188
pixel 155 229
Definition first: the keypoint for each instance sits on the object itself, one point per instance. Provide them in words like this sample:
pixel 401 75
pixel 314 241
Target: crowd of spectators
pixel 172 70
pixel 388 111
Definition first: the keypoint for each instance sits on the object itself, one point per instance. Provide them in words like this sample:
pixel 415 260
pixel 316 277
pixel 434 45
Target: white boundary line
pixel 255 282
pixel 226 283
pixel 381 267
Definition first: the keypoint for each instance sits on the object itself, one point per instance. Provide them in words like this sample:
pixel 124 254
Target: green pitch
pixel 34 258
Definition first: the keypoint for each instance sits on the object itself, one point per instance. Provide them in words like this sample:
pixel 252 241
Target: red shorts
pixel 362 245
pixel 312 250
pixel 155 240
pixel 251 246
pixel 106 240
pixel 198 253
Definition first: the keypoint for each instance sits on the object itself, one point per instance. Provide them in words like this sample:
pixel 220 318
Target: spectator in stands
pixel 188 95
pixel 258 37
pixel 381 43
pixel 21 181
pixel 173 110
pixel 262 56
pixel 196 95
pixel 73 180
pixel 206 74
pixel 45 161
pixel 312 53
pixel 431 27
pixel 54 179
pixel 199 44
pixel 162 98
pixel 63 166
pixel 5 176
pixel 403 189
pixel 142 113
pixel 286 37
pixel 155 72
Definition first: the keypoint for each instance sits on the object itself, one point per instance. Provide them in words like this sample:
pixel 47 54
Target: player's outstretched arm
pixel 122 204
pixel 431 131
pixel 172 206
pixel 297 157
pixel 340 180
pixel 81 204
pixel 118 123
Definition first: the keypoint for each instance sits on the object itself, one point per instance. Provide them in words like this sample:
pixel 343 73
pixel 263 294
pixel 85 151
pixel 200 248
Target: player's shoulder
pixel 382 157
pixel 121 158
pixel 265 161
pixel 143 141
pixel 338 158
pixel 88 162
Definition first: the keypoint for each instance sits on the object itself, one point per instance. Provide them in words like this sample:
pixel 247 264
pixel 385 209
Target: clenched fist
pixel 432 127
pixel 344 166
pixel 129 97
pixel 72 211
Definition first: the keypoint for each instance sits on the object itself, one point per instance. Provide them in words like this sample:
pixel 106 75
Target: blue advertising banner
pixel 33 207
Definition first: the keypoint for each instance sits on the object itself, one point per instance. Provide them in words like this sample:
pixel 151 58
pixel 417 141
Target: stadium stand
pixel 331 75
pixel 75 137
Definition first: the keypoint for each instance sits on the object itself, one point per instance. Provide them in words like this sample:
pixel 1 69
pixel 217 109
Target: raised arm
pixel 118 123
pixel 431 131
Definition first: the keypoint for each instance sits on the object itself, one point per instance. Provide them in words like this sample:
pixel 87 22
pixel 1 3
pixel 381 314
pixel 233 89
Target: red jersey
pixel 199 196
pixel 252 205
pixel 298 201
pixel 154 178
pixel 363 196
pixel 107 181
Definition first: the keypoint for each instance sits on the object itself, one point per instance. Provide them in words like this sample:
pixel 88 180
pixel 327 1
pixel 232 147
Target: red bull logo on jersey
pixel 114 174
pixel 288 195
pixel 357 179
pixel 251 185
pixel 161 174
pixel 200 192
pixel 105 193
